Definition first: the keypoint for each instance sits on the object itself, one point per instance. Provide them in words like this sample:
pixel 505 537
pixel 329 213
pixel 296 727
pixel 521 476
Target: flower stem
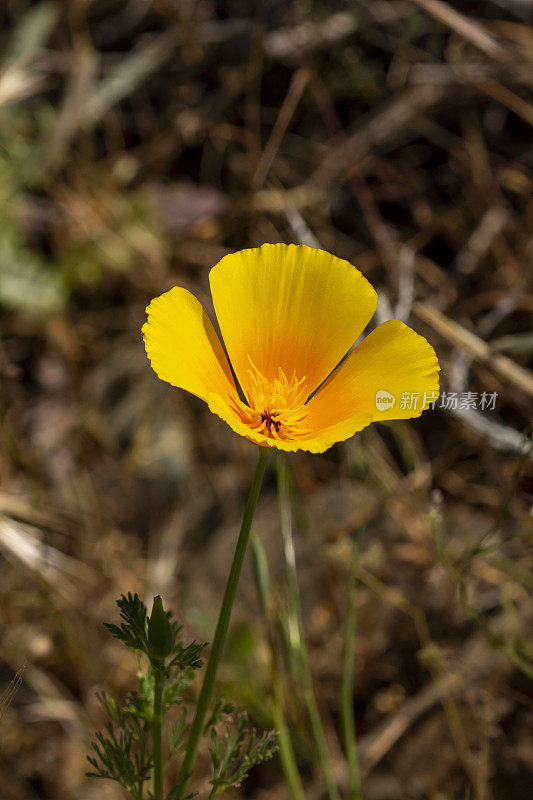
pixel 347 715
pixel 157 777
pixel 296 629
pixel 197 728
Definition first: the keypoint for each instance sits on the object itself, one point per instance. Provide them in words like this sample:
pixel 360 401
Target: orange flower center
pixel 276 408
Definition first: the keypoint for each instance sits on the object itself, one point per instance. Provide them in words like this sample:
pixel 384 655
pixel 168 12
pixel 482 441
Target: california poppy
pixel 288 315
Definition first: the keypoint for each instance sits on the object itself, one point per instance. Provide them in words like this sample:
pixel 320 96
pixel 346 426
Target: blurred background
pixel 141 141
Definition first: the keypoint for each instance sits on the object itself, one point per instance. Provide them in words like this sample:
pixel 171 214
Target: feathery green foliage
pixel 129 749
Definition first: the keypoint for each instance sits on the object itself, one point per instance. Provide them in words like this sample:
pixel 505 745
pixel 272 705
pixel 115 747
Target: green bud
pixel 160 638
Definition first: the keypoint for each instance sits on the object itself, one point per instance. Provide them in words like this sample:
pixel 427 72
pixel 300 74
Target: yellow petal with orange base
pixel 392 367
pixel 183 347
pixel 290 307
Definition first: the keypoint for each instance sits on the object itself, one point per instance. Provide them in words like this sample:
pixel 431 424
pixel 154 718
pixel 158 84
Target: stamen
pixel 276 408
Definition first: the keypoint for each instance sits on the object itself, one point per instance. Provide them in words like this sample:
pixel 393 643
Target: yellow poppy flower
pixel 288 314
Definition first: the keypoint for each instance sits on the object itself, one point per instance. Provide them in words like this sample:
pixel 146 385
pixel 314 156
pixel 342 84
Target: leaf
pixel 134 629
pixel 237 753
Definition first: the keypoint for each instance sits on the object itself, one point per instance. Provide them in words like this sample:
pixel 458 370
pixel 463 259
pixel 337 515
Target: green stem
pixel 286 750
pixel 197 728
pixel 296 629
pixel 347 715
pixel 157 777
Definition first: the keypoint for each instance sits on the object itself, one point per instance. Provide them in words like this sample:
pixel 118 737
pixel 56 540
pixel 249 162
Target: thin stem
pixel 197 728
pixel 296 628
pixel 286 750
pixel 157 777
pixel 347 715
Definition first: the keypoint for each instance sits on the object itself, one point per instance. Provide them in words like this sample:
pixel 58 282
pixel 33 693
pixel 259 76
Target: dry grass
pixel 139 142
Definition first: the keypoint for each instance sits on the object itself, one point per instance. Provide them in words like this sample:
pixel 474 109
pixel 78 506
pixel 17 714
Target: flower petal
pixel 183 347
pixel 391 364
pixel 289 306
pixel 314 444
